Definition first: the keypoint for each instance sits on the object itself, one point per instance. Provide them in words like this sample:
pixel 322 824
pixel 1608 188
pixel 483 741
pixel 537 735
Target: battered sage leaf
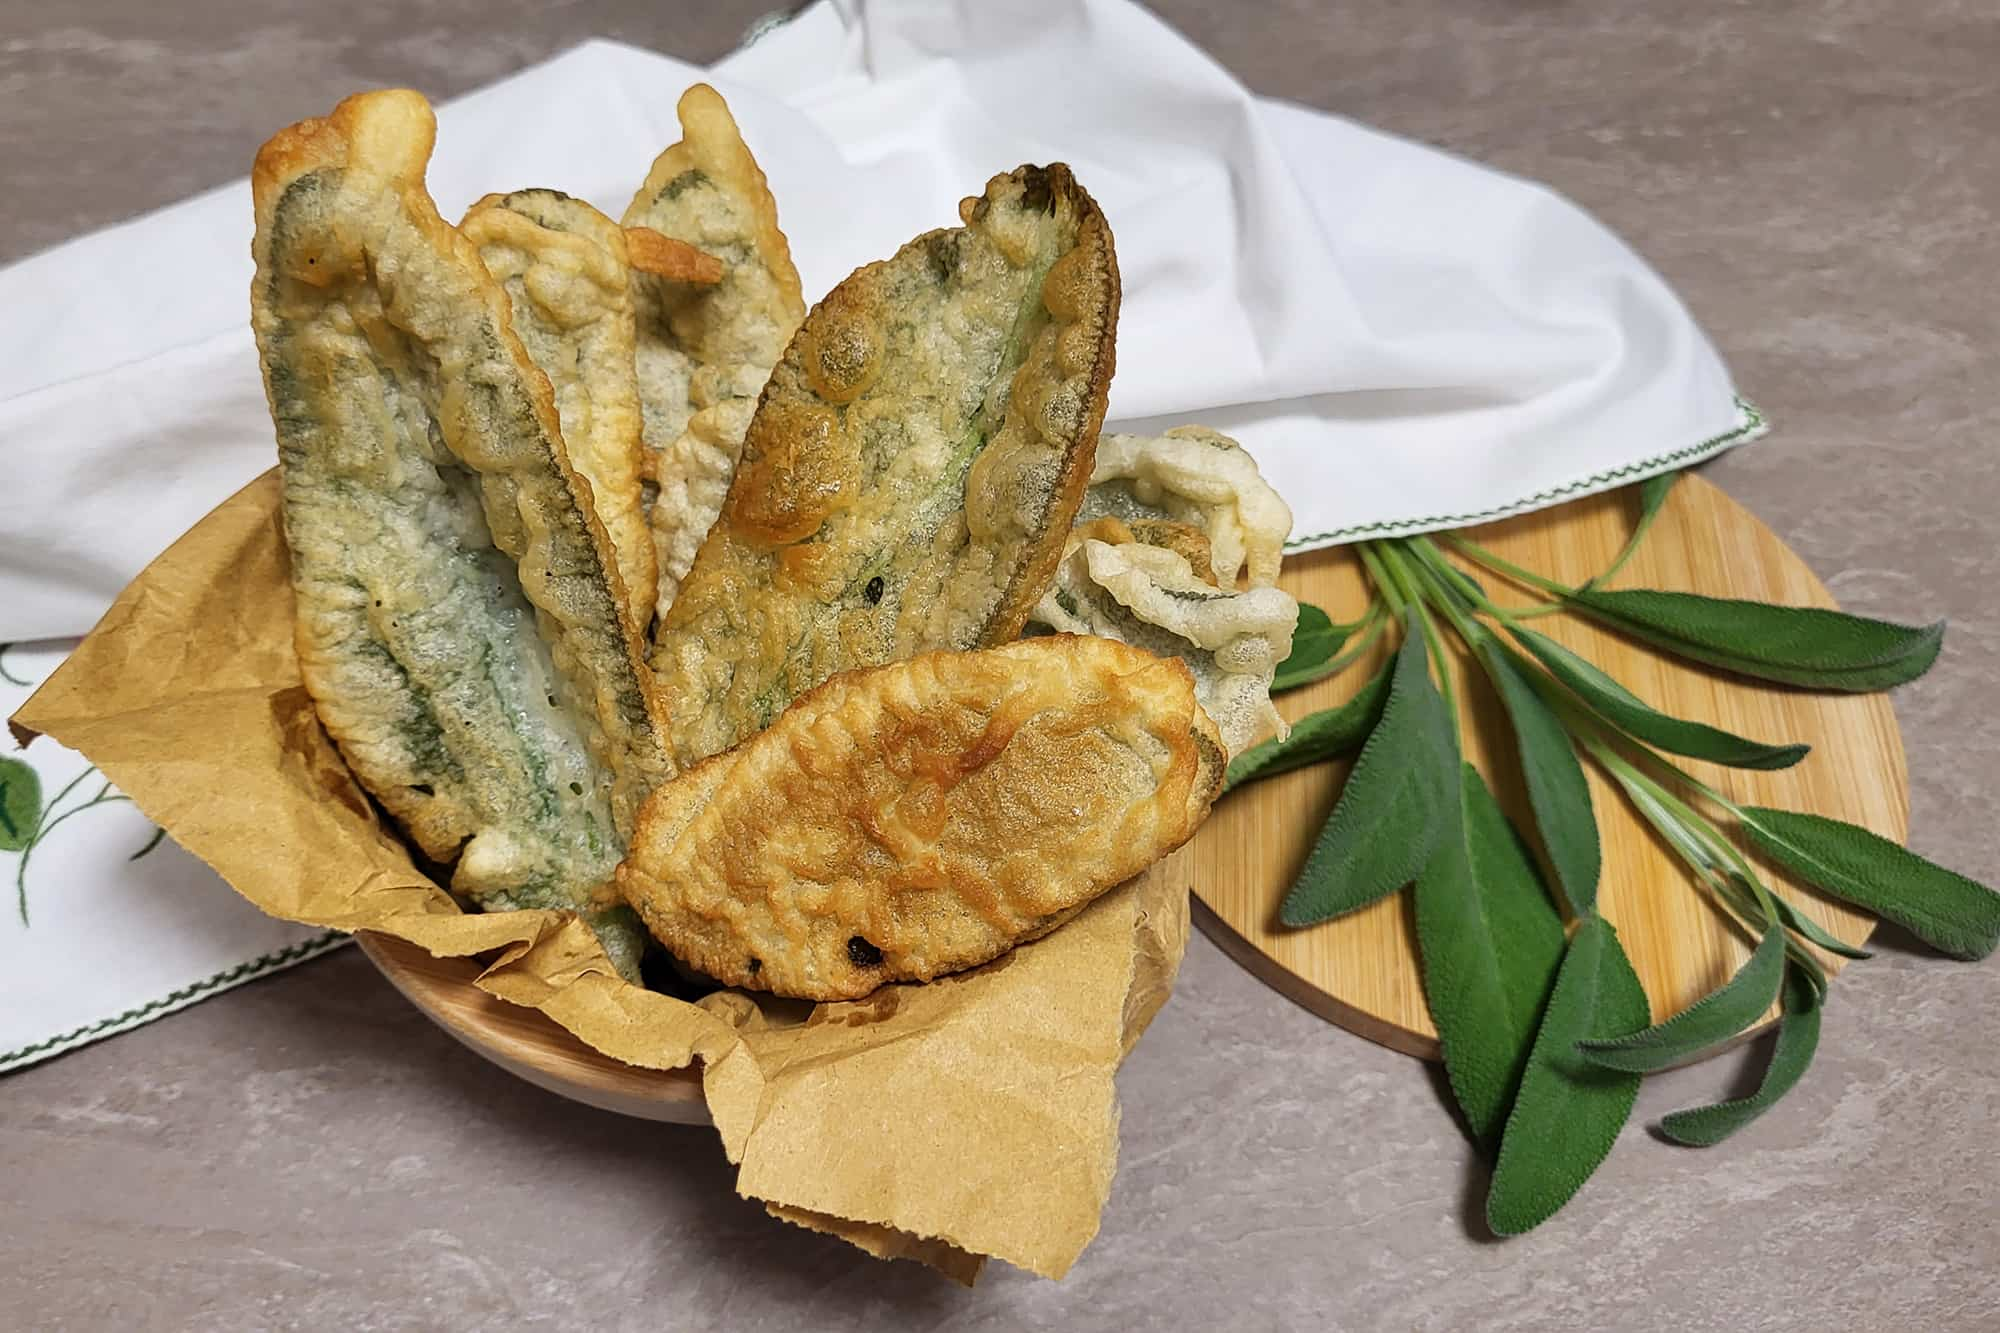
pixel 1704 1025
pixel 1394 808
pixel 1793 645
pixel 1798 1038
pixel 1944 909
pixel 1569 1111
pixel 1639 720
pixel 1490 941
pixel 1316 737
pixel 1556 787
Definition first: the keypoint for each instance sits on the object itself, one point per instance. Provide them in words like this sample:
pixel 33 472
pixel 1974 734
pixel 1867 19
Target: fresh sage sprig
pixel 1545 1038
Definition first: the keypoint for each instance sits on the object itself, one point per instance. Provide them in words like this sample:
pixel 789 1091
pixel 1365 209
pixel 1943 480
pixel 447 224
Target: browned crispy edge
pixel 650 252
pixel 711 140
pixel 1037 570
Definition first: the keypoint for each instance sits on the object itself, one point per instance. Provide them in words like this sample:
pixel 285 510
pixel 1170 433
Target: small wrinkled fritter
pixel 706 337
pixel 458 625
pixel 913 466
pixel 1195 476
pixel 915 819
pixel 1167 526
pixel 564 267
pixel 1150 596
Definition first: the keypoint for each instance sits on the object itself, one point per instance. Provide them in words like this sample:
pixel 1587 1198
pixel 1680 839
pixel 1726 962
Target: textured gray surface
pixel 1815 177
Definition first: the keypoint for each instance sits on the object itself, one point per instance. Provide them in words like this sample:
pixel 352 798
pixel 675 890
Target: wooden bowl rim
pixel 527 1042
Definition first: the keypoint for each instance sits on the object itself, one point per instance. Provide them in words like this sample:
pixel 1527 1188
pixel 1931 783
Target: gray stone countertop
pixel 1815 176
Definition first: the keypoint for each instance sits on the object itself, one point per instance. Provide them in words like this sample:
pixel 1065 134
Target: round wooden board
pixel 1360 971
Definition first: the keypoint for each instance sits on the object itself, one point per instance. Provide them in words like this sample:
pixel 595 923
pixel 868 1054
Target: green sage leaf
pixel 1944 909
pixel 1703 1025
pixel 1638 719
pixel 1653 492
pixel 1568 1112
pixel 1556 788
pixel 1315 642
pixel 1490 942
pixel 1316 737
pixel 1393 809
pixel 1794 645
pixel 1810 930
pixel 20 804
pixel 1798 1038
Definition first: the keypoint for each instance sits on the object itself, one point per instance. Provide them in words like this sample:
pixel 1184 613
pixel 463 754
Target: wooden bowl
pixel 524 1042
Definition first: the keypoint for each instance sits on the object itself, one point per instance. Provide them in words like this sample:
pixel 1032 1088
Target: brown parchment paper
pixel 970 1117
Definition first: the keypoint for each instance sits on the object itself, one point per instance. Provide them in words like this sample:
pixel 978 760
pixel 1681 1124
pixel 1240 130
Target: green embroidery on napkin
pixel 1753 424
pixel 276 960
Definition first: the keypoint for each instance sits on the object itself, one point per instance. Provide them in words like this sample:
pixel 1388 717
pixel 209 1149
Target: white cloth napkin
pixel 1403 339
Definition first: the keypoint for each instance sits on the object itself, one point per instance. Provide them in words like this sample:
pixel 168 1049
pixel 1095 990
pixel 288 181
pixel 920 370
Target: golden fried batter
pixel 913 465
pixel 564 267
pixel 665 257
pixel 1150 595
pixel 902 822
pixel 1200 477
pixel 706 336
pixel 458 624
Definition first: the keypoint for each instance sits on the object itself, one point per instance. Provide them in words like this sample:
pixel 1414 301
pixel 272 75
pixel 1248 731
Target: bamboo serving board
pixel 1360 971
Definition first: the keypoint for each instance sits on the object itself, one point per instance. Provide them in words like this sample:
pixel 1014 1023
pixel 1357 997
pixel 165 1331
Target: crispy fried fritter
pixel 912 467
pixel 902 822
pixel 457 623
pixel 564 267
pixel 1196 476
pixel 703 337
pixel 1232 640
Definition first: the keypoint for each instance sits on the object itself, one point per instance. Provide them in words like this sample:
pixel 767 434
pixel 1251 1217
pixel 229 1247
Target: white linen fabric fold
pixel 1403 339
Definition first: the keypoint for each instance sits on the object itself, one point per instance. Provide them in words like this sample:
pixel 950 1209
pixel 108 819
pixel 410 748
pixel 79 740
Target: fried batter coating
pixel 910 820
pixel 665 257
pixel 913 465
pixel 564 267
pixel 458 625
pixel 1195 476
pixel 704 334
pixel 1150 595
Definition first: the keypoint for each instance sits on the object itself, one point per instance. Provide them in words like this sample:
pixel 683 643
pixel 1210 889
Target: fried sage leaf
pixel 1196 476
pixel 913 466
pixel 919 818
pixel 705 341
pixel 1152 597
pixel 565 270
pixel 457 621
